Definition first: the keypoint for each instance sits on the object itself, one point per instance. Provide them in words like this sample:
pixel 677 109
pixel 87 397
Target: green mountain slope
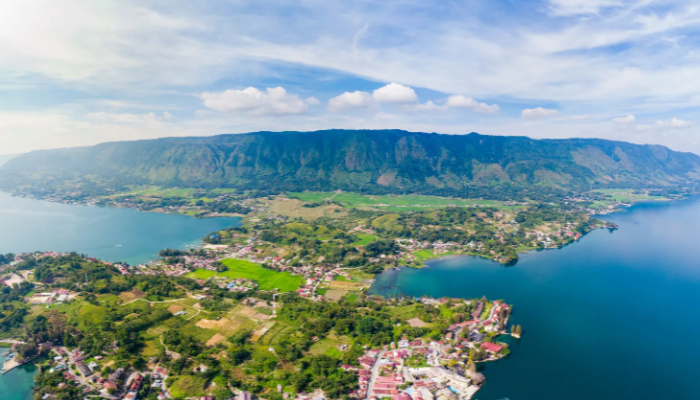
pixel 360 160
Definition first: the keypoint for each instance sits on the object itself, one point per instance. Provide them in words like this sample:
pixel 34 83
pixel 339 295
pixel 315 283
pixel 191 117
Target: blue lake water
pixel 112 234
pixel 613 316
pixel 18 383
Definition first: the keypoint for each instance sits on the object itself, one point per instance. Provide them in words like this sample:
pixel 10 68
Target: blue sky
pixel 78 73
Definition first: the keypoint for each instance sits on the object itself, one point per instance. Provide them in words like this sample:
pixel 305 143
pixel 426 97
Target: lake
pixel 18 383
pixel 112 234
pixel 610 317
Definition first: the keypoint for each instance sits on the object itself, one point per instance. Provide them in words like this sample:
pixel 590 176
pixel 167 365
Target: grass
pixel 627 195
pixel 403 312
pixel 266 279
pixel 359 275
pixel 352 297
pixel 187 386
pixel 392 202
pixel 365 239
pixel 201 274
pixel 423 255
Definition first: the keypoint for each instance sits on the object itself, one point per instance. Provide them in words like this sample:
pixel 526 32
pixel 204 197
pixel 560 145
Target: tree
pixel 518 330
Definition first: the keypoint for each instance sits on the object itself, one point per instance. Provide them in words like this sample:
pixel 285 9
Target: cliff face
pixel 387 160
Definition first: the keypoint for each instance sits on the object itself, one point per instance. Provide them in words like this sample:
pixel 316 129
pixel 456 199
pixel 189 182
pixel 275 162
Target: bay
pixel 18 383
pixel 111 234
pixel 613 316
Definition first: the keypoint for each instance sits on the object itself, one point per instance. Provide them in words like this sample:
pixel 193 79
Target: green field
pixel 187 386
pixel 352 297
pixel 201 274
pixel 391 202
pixel 364 240
pixel 403 312
pixel 266 279
pixel 627 195
pixel 423 255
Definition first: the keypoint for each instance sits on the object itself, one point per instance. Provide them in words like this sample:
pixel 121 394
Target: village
pixel 417 369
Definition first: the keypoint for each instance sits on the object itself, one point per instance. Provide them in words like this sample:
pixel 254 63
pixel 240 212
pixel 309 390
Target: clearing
pixel 266 279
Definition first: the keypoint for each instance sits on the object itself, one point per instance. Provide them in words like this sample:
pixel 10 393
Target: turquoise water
pixel 111 234
pixel 17 384
pixel 610 317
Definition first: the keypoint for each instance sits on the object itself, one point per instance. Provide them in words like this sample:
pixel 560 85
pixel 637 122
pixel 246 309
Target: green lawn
pixel 201 274
pixel 364 240
pixel 627 195
pixel 423 255
pixel 266 279
pixel 403 312
pixel 392 202
pixel 187 386
pixel 352 297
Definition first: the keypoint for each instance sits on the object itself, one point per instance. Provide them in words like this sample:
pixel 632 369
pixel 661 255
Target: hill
pixel 370 161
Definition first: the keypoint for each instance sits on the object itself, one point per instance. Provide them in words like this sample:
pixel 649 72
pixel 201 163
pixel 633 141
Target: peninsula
pixel 118 331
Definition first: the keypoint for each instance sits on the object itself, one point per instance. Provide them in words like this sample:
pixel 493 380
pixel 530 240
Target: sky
pixel 82 72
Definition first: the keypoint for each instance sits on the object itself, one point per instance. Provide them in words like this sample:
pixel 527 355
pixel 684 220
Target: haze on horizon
pixel 79 72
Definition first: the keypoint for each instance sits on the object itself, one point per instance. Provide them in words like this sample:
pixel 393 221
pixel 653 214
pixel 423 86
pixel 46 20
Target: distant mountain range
pixel 371 161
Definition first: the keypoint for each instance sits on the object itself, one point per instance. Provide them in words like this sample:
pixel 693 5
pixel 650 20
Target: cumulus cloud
pixel 167 115
pixel 273 101
pixel 428 106
pixel 539 112
pixel 312 101
pixel 673 123
pixel 628 119
pixel 395 93
pixel 350 100
pixel 460 101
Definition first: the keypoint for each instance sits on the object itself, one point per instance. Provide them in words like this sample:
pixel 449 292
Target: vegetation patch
pixel 365 239
pixel 334 294
pixel 187 386
pixel 266 279
pixel 201 274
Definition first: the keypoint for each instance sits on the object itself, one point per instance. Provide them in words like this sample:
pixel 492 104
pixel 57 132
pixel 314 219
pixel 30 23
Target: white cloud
pixel 395 93
pixel 628 119
pixel 312 101
pixel 674 123
pixel 167 115
pixel 539 112
pixel 274 101
pixel 582 117
pixel 565 8
pixel 428 106
pixel 350 100
pixel 460 101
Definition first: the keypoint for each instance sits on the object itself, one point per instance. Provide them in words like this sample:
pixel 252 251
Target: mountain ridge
pixel 362 160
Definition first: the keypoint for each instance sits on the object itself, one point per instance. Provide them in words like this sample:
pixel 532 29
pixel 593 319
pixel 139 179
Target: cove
pixel 613 316
pixel 111 234
pixel 18 383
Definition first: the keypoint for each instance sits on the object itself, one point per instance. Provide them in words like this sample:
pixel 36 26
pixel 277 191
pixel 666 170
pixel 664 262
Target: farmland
pixel 266 279
pixel 392 203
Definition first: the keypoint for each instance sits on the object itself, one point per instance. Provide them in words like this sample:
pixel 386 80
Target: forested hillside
pixel 386 161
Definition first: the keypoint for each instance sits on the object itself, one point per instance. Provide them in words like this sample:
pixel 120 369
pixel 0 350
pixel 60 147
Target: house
pixel 245 396
pixel 492 347
pixel 83 369
pixel 475 336
pixel 479 309
pixel 110 385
